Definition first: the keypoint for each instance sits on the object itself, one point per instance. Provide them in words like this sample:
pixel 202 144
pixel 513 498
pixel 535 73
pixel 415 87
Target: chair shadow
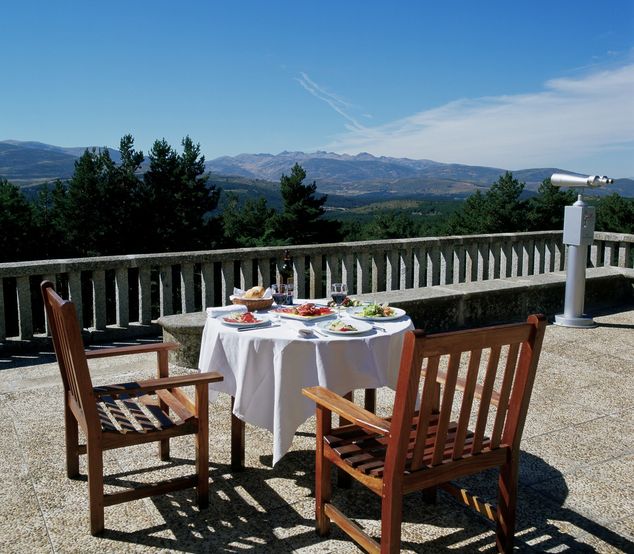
pixel 247 513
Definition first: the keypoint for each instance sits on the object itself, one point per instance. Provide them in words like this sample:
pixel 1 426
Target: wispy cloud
pixel 589 117
pixel 337 103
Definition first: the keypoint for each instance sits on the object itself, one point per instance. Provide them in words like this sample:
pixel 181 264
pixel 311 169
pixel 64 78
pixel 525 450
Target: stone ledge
pixel 463 305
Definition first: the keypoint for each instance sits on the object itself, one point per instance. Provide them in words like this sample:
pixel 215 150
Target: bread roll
pixel 255 292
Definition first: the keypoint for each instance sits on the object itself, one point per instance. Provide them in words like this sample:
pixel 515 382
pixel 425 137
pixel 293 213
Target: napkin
pixel 224 310
pixel 239 293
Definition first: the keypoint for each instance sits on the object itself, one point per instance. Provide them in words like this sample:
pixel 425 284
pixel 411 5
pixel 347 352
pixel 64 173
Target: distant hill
pixel 345 178
pixel 365 174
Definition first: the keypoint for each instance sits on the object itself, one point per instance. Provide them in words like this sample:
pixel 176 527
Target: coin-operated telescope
pixel 579 220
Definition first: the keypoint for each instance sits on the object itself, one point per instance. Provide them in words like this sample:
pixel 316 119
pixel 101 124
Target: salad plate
pixel 305 312
pixel 342 327
pixel 244 319
pixel 377 312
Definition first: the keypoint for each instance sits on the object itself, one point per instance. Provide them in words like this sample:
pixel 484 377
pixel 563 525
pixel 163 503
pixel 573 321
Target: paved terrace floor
pixel 576 485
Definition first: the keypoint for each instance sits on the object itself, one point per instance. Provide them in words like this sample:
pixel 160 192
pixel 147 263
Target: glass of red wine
pixel 279 294
pixel 338 291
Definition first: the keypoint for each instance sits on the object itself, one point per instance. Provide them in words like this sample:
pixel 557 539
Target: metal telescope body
pixel 579 221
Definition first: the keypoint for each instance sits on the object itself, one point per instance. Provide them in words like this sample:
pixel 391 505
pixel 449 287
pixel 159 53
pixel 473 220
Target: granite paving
pixel 576 479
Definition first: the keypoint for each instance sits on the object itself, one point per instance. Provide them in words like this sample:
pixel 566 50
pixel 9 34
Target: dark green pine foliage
pixel 545 212
pixel 499 210
pixel 18 232
pixel 301 220
pixel 615 214
pixel 246 224
pixel 176 200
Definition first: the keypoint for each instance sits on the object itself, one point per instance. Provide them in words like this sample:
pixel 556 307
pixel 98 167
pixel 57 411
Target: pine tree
pixel 18 233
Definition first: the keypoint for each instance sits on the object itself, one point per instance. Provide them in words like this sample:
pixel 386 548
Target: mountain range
pixel 361 175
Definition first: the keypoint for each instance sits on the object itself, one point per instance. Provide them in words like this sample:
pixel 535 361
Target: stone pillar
pixel 145 295
pixel 166 300
pixel 624 254
pixel 378 271
pixel 99 298
pixel 3 325
pixel 363 273
pixel 74 292
pixel 122 295
pixel 407 277
pixel 446 265
pixel 433 266
pixel 25 316
pixel 391 270
pixel 226 281
pixel 299 276
pixel 316 275
pixel 188 302
pixel 419 270
pixel 347 272
pixel 208 284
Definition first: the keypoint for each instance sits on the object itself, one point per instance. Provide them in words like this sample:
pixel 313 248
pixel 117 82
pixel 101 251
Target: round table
pixel 266 368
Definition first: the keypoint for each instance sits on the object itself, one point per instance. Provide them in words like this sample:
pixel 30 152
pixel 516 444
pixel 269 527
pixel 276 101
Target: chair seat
pixel 365 451
pixel 124 413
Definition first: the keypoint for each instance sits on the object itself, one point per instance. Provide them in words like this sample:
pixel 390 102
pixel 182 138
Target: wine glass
pixel 279 294
pixel 338 291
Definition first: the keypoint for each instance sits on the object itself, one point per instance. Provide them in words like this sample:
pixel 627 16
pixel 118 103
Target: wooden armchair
pixel 467 417
pixel 124 414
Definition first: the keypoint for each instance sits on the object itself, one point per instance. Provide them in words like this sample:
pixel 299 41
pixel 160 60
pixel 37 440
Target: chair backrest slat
pixel 467 402
pixel 445 407
pixel 71 357
pixel 485 398
pixel 461 373
pixel 505 391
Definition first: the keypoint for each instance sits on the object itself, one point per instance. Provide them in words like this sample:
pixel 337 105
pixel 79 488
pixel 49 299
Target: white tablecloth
pixel 265 369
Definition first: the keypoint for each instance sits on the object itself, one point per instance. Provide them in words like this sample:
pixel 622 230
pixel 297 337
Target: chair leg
pixel 95 488
pixel 72 443
pixel 323 483
pixel 507 504
pixel 163 371
pixel 391 516
pixel 202 445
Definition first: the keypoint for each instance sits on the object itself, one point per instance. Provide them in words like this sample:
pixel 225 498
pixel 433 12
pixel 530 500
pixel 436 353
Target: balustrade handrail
pixel 117 290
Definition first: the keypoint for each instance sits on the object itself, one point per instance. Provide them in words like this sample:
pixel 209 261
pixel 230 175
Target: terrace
pixel 578 457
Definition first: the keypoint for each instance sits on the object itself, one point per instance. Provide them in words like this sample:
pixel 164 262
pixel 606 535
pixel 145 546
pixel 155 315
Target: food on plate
pixel 341 326
pixel 305 310
pixel 378 310
pixel 254 292
pixel 241 317
pixel 347 302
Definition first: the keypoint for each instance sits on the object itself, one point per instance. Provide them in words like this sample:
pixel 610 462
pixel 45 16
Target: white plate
pixel 260 321
pixel 305 317
pixel 357 313
pixel 361 327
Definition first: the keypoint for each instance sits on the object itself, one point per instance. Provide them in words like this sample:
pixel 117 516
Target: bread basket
pixel 253 303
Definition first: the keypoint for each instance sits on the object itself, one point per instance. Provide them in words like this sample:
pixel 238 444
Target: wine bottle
pixel 286 272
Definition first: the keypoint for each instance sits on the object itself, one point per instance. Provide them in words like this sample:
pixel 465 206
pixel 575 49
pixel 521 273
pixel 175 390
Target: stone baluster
pixel 406 269
pixel 419 268
pixel 47 327
pixel 347 271
pixel 333 273
pixel 433 266
pixel 299 276
pixel 539 257
pixel 263 271
pixel 166 291
pixel 446 265
pixel 624 254
pixel 560 256
pixel 226 281
pixel 145 295
pixel 315 274
pixel 608 253
pixel 483 271
pixel 25 315
pixel 593 257
pixel 363 273
pixel 495 259
pixel 75 294
pixel 516 259
pixel 528 256
pixel 122 297
pixel 458 264
pixel 99 299
pixel 391 270
pixel 245 271
pixel 208 284
pixel 378 271
pixel 188 299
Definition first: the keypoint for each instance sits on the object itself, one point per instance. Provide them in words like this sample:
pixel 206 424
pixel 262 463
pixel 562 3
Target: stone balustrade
pixel 127 293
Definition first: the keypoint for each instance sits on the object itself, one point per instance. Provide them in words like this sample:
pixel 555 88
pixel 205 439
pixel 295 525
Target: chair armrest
pixel 149 385
pixel 135 349
pixel 349 410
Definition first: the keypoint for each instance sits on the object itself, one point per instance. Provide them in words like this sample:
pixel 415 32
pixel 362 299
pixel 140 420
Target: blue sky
pixel 506 84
